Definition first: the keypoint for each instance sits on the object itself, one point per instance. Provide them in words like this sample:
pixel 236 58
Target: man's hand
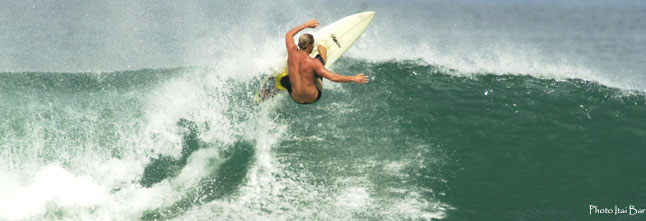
pixel 312 23
pixel 360 78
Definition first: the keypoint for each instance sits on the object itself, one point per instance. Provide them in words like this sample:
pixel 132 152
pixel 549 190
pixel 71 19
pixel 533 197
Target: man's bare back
pixel 301 75
pixel 303 69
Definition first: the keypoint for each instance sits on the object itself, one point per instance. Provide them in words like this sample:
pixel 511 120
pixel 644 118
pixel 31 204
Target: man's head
pixel 306 42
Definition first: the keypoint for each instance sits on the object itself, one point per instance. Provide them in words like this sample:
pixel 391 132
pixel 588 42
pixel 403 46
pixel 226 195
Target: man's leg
pixel 318 82
pixel 287 84
pixel 322 50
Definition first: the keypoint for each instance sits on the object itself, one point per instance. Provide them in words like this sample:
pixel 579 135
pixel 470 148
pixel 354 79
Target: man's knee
pixel 318 83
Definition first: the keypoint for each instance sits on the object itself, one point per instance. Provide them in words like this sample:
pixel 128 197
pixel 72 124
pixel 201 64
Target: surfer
pixel 306 73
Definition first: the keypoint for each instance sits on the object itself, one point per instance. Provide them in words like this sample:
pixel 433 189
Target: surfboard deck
pixel 337 37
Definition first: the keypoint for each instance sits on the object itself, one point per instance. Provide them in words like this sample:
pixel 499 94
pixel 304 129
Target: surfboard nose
pixel 368 15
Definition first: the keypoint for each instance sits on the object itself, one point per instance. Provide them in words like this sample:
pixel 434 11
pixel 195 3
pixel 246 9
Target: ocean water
pixel 497 110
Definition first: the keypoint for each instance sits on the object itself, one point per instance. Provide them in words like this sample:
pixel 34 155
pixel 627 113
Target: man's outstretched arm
pixel 289 37
pixel 324 72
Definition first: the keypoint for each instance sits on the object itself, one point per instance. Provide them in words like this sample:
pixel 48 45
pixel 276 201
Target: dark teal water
pixel 490 146
pixel 418 142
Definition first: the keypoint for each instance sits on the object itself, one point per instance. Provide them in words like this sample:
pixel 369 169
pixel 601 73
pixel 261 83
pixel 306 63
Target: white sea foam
pixel 52 184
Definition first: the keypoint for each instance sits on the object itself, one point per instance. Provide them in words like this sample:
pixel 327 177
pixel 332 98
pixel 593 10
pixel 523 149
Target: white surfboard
pixel 337 37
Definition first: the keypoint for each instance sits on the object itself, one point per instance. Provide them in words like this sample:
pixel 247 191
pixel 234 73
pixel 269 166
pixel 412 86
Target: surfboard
pixel 337 37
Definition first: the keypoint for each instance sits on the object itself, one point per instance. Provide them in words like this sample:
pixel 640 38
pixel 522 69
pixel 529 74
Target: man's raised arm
pixel 289 37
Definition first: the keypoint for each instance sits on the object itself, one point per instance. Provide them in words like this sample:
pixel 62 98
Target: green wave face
pixel 417 142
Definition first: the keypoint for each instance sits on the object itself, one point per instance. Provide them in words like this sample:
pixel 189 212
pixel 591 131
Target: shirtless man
pixel 304 79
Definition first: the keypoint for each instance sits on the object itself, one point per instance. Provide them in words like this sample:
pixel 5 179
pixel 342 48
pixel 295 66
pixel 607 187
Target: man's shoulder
pixel 308 61
pixel 315 63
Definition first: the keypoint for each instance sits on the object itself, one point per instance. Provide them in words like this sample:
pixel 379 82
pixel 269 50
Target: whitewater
pixel 501 110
